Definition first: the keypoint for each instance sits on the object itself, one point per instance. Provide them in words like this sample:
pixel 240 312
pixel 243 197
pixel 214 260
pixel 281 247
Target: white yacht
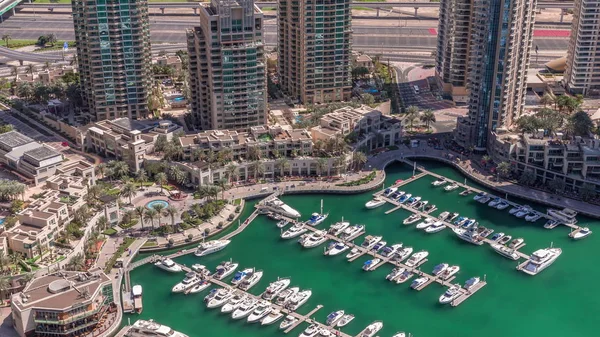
pixel 311 331
pixel 413 201
pixel 294 231
pixel 438 226
pixel 370 241
pixel 451 187
pixel 404 198
pixel 540 260
pixel 580 234
pixel 449 272
pixel 245 309
pixel 210 247
pixel 523 211
pixel 470 235
pixel 533 217
pixel 566 216
pixel 439 182
pixel 416 258
pixel 251 280
pixel 338 227
pixel 240 276
pixel 412 219
pixel 201 269
pixel 403 254
pixel 461 221
pixel 376 202
pixel 405 276
pixel 505 239
pixel 199 287
pixel 419 282
pixel 298 300
pixel 502 205
pixel 234 302
pixel 440 268
pixel 152 329
pixel 334 317
pixel 551 223
pixel 282 223
pixel 505 251
pixel 397 271
pixel 222 296
pixel 515 209
pixel 272 317
pixel 481 196
pixel 262 309
pixel 168 265
pixel 354 252
pixel 370 264
pixel 225 269
pixel 450 294
pixel 189 281
pixel 496 237
pixel 425 223
pixel 347 318
pixel 400 334
pixel 452 217
pixel 315 239
pixel 372 329
pixel 390 251
pixel 352 231
pixel 287 322
pixel 316 219
pixel 379 246
pixel 516 243
pixel 495 201
pixel 470 283
pixel 337 248
pixel 275 288
pixel 285 295
pixel 277 206
pixel 389 191
pixel 444 215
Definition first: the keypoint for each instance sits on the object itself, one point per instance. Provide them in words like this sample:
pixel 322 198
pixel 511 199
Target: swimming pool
pixel 157 202
pixel 179 99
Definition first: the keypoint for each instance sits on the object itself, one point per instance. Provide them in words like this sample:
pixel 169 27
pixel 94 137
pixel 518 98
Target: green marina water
pixel 561 301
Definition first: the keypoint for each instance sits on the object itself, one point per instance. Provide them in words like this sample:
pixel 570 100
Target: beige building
pixel 315 50
pixel 228 80
pixel 364 61
pixel 582 75
pixel 64 304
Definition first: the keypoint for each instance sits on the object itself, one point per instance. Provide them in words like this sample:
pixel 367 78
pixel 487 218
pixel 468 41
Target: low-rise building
pixel 364 61
pixel 29 158
pixel 3 246
pixel 64 304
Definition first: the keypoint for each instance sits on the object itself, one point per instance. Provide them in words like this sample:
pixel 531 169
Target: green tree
pixel 76 263
pixel 150 215
pixel 161 179
pixel 427 117
pixel 580 124
pixel 587 191
pixel 528 124
pixel 172 211
pixel 141 177
pixel 231 172
pixel 359 159
pixel 4 287
pixel 6 38
pixel 368 99
pixel 140 211
pixel 412 113
pixel 527 178
pixel 102 223
pixel 546 100
pixel 51 38
pixel 159 208
pixel 556 185
pixel 282 164
pixel 549 119
pixel 222 184
pixel 504 169
pixel 321 165
pixel 128 191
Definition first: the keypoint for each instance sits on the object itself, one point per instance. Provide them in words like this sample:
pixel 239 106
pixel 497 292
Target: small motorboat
pixel 502 205
pixel 370 264
pixel 199 287
pixel 287 322
pixel 400 334
pixel 404 198
pixel 496 237
pixel 397 195
pixel 551 224
pixel 251 280
pixel 465 192
pixel 272 317
pixel 505 251
pixel 580 234
pixel 311 331
pixel 262 309
pixel 274 216
pixel 429 208
pixel 405 276
pixel 451 187
pixel 352 231
pixel 449 272
pixel 514 210
pixel 372 329
pixel 188 282
pixel 426 223
pixel 389 191
pixel 419 282
pixel 470 283
pixel 354 252
pixel 480 196
pixel 413 201
pixel 439 182
pixel 450 294
pixel 452 217
pixel 338 228
pixel 416 258
pixel 516 243
pixel 444 215
pixel 234 302
pixel 461 220
pixel 240 276
pixel 403 254
pixel 523 211
pixel 485 232
pixel 282 223
pixel 438 226
pixel 347 318
pixel 412 219
pixel 533 217
pixel 437 270
pixel 389 251
pixel 336 248
pixel 395 273
pixel 379 246
pixel 495 201
pixel 334 317
pixel 376 202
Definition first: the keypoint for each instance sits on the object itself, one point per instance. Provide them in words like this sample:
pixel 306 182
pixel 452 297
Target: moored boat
pixel 188 282
pixel 419 282
pixel 376 202
pixel 451 187
pixel 294 231
pixel 412 219
pixel 275 205
pixel 240 276
pixel 444 215
pixel 566 216
pixel 391 250
pixel 580 233
pixel 210 247
pixel 287 322
pixel 551 223
pixel 285 295
pixel 437 226
pixel 439 182
pixel 440 268
pixel 225 269
pixel 403 254
pixel 516 243
pixel 245 309
pixel 282 223
pixel 502 205
pixel 275 288
pixel 425 223
pixel 540 260
pixel 261 310
pixel 251 280
pixel 404 198
pixel 354 252
pixel 496 237
pixel 199 287
pixel 316 238
pixel 336 248
pixel 234 302
pixel 449 272
pixel 470 283
pixel 505 251
pixel 370 264
pixel 272 317
pixel 495 201
pixel 347 318
pixel 389 191
pixel 371 329
pixel 397 271
pixel 298 300
pixel 334 317
pixel 352 231
pixel 222 296
pixel 168 265
pixel 370 241
pixel 453 216
pixel 450 294
pixel 405 276
pixel 338 228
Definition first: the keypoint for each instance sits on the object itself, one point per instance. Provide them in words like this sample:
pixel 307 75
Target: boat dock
pixel 467 293
pixel 303 319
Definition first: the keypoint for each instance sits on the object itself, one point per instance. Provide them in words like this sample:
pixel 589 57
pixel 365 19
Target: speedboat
pixel 225 269
pixel 251 280
pixel 451 187
pixel 285 295
pixel 496 237
pixel 287 322
pixel 376 202
pixel 222 296
pixel 495 201
pixel 210 247
pixel 540 260
pixel 505 251
pixel 461 220
pixel 354 252
pixel 372 329
pixel 439 182
pixel 298 300
pixel 399 334
pixel 274 216
pixel 416 258
pixel 316 219
pixel 426 223
pixel 484 199
pixel 189 281
pixel 347 318
pixel 245 309
pixel 580 234
pixel 282 223
pixel 262 310
pixel 272 317
pixel 452 217
pixel 420 204
pixel 502 205
pixel 334 317
pixel 337 248
pixel 414 201
pixel 412 219
pixel 470 283
pixel 523 211
pixel 390 251
pixel 352 231
pixel 168 265
pixel 314 239
pixel 485 232
pixel 201 269
pixel 234 302
pixel 429 208
pixel 465 192
pixel 151 328
pixel 533 217
pixel 275 288
pixel 389 191
pixel 338 227
pixel 397 195
pixel 294 231
pixel 419 282
pixel 481 195
pixel 240 276
pixel 199 287
pixel 210 295
pixel 311 331
pixel 449 272
pixel 515 209
pixel 370 264
pixel 370 241
pixel 277 206
pixel 440 268
pixel 505 239
pixel 516 243
pixel 470 235
pixel 450 294
pixel 436 227
pixel 404 198
pixel 468 223
pixel 551 223
pixel 403 254
pixel 444 215
pixel 379 246
pixel 397 271
pixel 405 276
pixel 566 216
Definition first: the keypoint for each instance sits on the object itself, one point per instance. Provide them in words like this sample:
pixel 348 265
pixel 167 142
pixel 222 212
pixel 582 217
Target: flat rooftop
pixel 42 153
pixel 14 139
pixel 128 124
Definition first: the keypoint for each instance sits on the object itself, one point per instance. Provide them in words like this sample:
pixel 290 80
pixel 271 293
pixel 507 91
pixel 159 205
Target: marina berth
pixel 225 269
pixel 251 280
pixel 372 329
pixel 234 302
pixel 412 219
pixel 274 316
pixel 376 202
pixel 151 328
pixel 168 265
pixel 347 318
pixel 275 288
pixel 294 231
pixel 505 251
pixel 450 294
pixel 566 216
pixel 540 260
pixel 275 205
pixel 580 233
pixel 287 322
pixel 210 247
pixel 336 248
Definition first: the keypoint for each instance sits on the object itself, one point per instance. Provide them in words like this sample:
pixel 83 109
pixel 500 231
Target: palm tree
pixel 141 177
pixel 340 164
pixel 102 223
pixel 282 164
pixel 76 263
pixel 222 184
pixel 118 169
pixel 259 169
pixel 140 211
pixel 6 38
pixel 231 171
pixel 128 191
pixel 159 208
pixel 161 179
pixel 412 112
pixel 172 212
pixel 427 117
pixel 150 214
pixel 4 286
pixel 358 160
pixel 321 165
pixel 14 260
pixel 503 168
pixel 253 153
pixel 101 169
pixel 546 100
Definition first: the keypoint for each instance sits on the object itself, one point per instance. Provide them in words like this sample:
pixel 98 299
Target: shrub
pixel 109 232
pixel 171 242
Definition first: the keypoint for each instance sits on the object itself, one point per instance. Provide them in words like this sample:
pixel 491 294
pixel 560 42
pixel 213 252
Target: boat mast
pixel 321 206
